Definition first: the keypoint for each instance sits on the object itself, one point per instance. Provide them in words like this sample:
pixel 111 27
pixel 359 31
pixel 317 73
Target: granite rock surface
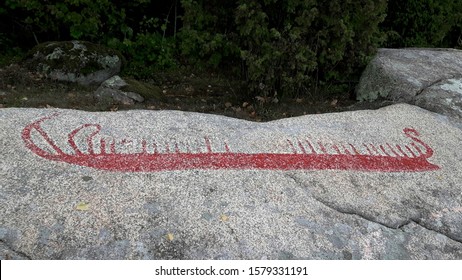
pixel 383 184
pixel 428 78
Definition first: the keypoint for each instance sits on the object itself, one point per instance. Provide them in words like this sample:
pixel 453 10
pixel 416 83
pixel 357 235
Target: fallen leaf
pixel 228 104
pixel 82 206
pixel 299 100
pixel 170 236
pixel 189 89
pixel 334 102
pixel 260 99
pixel 250 108
pixel 224 218
pixel 245 104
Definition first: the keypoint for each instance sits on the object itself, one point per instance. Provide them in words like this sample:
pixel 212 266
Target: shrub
pixel 291 46
pixel 207 37
pixel 76 19
pixel 283 46
pixel 424 23
pixel 122 25
pixel 147 53
pixel 286 47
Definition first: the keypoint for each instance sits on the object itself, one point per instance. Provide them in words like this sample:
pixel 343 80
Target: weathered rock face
pixel 427 77
pixel 116 90
pixel 177 185
pixel 444 97
pixel 111 89
pixel 75 61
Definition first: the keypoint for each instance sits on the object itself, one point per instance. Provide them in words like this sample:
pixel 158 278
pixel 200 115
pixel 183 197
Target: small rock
pixel 134 96
pixel 117 90
pixel 114 82
pixel 116 95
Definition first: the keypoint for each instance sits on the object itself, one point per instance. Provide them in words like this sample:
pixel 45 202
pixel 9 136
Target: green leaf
pixel 82 206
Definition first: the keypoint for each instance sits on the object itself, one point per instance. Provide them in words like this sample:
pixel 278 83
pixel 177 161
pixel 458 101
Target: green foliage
pixel 81 18
pixel 141 38
pixel 424 23
pixel 147 53
pixel 292 46
pixel 95 21
pixel 206 38
pixel 284 47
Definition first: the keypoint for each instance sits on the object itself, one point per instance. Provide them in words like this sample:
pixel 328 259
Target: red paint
pixel 351 159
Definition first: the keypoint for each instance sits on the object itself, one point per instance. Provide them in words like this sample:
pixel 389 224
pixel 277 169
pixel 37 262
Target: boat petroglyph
pixel 304 154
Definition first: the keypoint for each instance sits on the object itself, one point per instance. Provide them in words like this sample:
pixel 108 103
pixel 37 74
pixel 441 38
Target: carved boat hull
pixel 151 162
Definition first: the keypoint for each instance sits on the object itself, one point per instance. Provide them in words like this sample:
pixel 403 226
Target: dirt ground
pixel 181 90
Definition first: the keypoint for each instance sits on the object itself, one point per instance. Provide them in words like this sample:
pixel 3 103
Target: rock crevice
pixel 397 225
pixel 7 252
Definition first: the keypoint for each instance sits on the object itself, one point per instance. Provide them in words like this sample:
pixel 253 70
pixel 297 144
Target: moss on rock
pixel 75 61
pixel 146 90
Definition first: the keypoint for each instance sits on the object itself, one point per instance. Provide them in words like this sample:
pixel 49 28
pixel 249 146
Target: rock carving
pixel 304 154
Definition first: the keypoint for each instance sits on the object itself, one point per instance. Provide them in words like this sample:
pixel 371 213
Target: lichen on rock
pixel 81 62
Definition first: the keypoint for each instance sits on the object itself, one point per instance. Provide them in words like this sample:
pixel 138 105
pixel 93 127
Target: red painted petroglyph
pixel 305 154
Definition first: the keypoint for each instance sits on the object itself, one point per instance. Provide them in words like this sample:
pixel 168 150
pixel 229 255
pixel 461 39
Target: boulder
pixel 75 61
pixel 181 185
pixel 111 90
pixel 126 91
pixel 444 97
pixel 427 77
